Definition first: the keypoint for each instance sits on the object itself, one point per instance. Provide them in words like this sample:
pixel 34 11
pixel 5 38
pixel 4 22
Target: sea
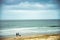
pixel 9 28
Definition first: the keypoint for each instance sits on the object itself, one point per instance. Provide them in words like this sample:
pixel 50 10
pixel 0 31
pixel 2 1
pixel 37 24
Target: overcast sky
pixel 29 9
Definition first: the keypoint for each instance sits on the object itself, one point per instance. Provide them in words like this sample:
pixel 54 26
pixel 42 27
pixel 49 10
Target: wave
pixel 30 30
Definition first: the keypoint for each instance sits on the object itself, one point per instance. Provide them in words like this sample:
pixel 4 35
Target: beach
pixel 34 37
pixel 30 30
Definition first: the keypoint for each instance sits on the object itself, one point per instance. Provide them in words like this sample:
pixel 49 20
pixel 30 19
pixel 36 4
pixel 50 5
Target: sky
pixel 29 9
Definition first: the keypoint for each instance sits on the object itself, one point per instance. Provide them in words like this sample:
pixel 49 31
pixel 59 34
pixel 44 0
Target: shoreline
pixel 35 37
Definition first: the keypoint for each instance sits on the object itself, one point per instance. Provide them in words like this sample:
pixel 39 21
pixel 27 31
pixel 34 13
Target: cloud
pixel 30 6
pixel 29 10
pixel 11 2
pixel 30 14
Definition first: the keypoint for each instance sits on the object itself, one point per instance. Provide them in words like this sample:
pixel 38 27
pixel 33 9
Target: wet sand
pixel 35 37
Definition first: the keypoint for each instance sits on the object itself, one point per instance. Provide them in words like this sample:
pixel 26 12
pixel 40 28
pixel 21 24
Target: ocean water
pixel 28 27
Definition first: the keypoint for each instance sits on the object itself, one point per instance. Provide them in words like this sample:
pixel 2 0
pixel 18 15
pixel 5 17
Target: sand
pixel 35 37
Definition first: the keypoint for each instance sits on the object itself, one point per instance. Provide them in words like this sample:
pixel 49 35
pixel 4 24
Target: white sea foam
pixel 30 30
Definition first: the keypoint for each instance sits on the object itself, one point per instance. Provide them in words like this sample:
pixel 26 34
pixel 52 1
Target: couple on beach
pixel 17 34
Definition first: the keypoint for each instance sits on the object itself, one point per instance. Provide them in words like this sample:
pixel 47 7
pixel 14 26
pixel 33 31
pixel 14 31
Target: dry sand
pixel 35 37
